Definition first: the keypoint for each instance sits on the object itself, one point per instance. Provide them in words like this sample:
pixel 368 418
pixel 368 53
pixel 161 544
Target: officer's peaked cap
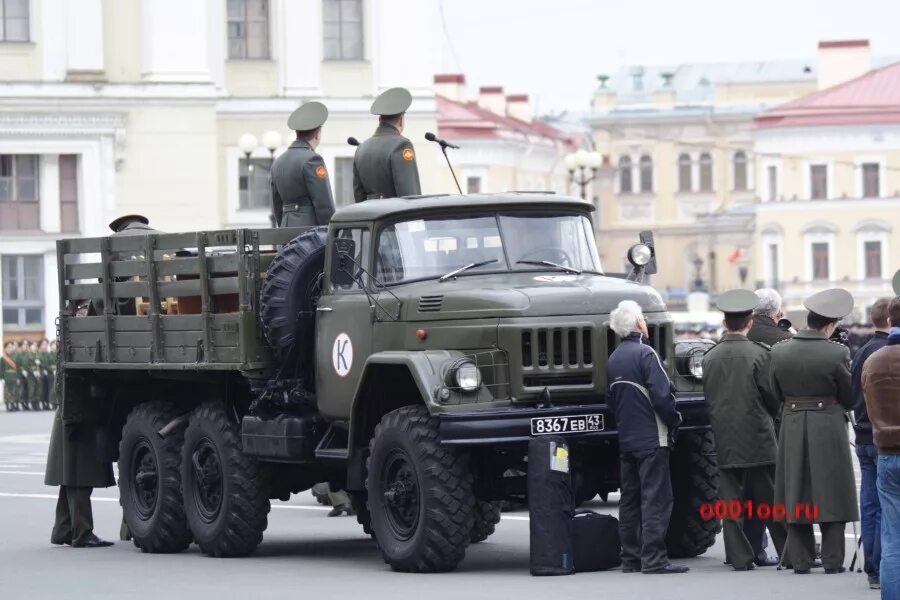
pixel 309 116
pixel 119 223
pixel 897 282
pixel 394 101
pixel 737 301
pixel 835 303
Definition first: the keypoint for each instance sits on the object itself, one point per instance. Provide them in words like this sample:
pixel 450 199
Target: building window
pixel 342 29
pixel 740 171
pixel 473 185
pixel 248 29
pixel 684 173
pixel 871 180
pixel 646 167
pixel 772 183
pixel 343 181
pixel 68 193
pixel 872 257
pixel 625 186
pixel 706 172
pixel 19 208
pixel 253 183
pixel 14 20
pixel 23 291
pixel 818 182
pixel 772 265
pixel 820 270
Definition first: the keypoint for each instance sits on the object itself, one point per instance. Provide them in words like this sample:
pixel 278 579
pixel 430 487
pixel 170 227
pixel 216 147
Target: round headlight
pixel 639 255
pixel 467 376
pixel 695 365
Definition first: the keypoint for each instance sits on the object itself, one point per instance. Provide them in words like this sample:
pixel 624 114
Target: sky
pixel 554 49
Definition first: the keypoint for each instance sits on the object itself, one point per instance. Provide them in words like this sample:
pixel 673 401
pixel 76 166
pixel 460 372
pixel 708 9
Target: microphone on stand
pixel 444 144
pixel 352 141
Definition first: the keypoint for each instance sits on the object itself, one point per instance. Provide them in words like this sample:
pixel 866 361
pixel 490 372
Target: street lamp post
pixel 248 143
pixel 581 161
pixel 271 140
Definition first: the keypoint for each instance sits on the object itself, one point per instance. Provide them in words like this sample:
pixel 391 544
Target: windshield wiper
pixel 547 263
pixel 473 265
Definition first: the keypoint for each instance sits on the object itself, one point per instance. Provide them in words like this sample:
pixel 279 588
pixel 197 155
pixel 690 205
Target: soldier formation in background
pixel 28 370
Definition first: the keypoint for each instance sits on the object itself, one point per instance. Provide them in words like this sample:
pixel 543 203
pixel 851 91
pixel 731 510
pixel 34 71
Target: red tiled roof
pixel 460 120
pixel 872 98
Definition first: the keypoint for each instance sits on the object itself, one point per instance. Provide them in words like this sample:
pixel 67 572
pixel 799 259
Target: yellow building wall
pixel 21 61
pixel 845 175
pixel 122 41
pixel 252 78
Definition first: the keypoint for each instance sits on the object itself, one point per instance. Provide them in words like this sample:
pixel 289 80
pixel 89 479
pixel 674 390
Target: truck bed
pixel 213 276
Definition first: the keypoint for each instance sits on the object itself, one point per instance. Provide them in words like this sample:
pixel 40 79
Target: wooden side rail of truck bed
pixel 180 301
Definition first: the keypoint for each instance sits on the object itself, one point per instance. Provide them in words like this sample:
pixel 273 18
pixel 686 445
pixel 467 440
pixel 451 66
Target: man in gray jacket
pixel 301 192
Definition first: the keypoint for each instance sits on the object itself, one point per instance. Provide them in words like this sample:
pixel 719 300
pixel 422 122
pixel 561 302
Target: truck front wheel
pixel 695 480
pixel 150 480
pixel 225 501
pixel 487 515
pixel 420 494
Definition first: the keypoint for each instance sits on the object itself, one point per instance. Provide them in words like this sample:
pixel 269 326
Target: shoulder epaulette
pixel 763 344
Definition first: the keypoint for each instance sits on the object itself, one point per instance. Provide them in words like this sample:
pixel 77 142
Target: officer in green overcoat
pixel 742 408
pixel 8 371
pixel 301 191
pixel 385 164
pixel 74 464
pixel 814 479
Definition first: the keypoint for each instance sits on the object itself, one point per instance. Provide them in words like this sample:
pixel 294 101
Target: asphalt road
pixel 306 555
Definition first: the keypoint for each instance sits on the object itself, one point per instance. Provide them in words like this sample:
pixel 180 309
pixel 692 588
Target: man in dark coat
pixel 742 407
pixel 74 464
pixel 814 479
pixel 385 164
pixel 301 192
pixel 866 452
pixel 643 405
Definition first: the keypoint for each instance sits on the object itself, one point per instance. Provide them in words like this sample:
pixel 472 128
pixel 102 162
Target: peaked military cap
pixel 394 101
pixel 737 301
pixel 835 303
pixel 897 283
pixel 119 223
pixel 309 116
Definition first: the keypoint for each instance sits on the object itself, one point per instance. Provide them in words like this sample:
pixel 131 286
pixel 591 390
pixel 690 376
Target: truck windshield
pixel 431 248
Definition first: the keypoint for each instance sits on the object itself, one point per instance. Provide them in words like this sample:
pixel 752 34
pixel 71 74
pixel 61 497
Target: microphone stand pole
pixel 452 172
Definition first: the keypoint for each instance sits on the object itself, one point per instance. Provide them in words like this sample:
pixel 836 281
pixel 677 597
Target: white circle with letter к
pixel 342 354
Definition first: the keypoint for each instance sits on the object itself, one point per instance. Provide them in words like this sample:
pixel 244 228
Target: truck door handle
pixel 324 309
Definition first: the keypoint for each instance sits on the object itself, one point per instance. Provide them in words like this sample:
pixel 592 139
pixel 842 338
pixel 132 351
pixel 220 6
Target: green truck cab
pixel 406 354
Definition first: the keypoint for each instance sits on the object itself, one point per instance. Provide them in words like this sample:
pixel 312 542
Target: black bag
pixel 550 506
pixel 595 542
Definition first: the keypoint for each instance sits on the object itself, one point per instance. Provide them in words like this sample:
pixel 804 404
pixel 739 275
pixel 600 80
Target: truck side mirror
pixel 342 264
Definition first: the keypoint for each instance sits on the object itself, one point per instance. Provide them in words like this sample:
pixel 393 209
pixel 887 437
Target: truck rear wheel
pixel 486 517
pixel 695 480
pixel 150 480
pixel 420 494
pixel 224 500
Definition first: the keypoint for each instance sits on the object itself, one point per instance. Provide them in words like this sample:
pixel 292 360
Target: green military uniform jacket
pixel 301 192
pixel 737 386
pixel 814 467
pixel 73 458
pixel 385 166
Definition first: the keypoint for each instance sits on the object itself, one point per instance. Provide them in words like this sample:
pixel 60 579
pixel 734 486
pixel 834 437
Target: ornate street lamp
pixel 248 143
pixel 582 160
pixel 271 140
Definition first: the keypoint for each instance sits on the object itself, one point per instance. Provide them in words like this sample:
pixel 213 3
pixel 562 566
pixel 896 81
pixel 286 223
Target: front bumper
pixel 513 424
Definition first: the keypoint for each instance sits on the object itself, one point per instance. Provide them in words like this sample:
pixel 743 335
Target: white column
pixel 91 210
pixel 48 170
pixel 51 294
pixel 175 44
pixel 53 40
pixel 300 55
pixel 84 35
pixel 218 41
pixel 405 48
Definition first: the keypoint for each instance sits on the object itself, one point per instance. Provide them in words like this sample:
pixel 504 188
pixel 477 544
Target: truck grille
pixel 430 303
pixel 658 340
pixel 557 356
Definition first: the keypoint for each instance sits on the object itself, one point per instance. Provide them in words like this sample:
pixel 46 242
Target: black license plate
pixel 564 425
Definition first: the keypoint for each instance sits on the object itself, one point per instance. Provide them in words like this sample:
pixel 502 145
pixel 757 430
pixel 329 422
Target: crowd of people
pixel 780 404
pixel 28 371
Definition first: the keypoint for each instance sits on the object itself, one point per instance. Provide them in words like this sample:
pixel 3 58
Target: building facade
pixel 830 164
pixel 502 146
pixel 111 107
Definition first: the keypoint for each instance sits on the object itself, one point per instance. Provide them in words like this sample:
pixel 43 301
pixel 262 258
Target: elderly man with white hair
pixel 765 319
pixel 643 404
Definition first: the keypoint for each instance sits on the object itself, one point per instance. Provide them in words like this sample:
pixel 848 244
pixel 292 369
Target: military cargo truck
pixel 406 353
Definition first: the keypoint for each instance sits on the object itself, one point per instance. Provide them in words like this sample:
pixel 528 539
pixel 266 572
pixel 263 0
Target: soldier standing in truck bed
pixel 301 192
pixel 814 479
pixel 385 164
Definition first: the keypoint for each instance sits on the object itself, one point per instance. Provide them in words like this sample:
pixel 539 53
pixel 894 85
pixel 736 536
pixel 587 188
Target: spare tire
pixel 289 294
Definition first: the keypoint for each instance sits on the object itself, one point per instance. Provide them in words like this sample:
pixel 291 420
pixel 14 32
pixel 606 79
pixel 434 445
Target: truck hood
pixel 538 294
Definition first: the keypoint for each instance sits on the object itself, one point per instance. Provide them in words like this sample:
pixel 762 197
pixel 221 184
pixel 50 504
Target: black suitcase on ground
pixel 550 506
pixel 595 542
